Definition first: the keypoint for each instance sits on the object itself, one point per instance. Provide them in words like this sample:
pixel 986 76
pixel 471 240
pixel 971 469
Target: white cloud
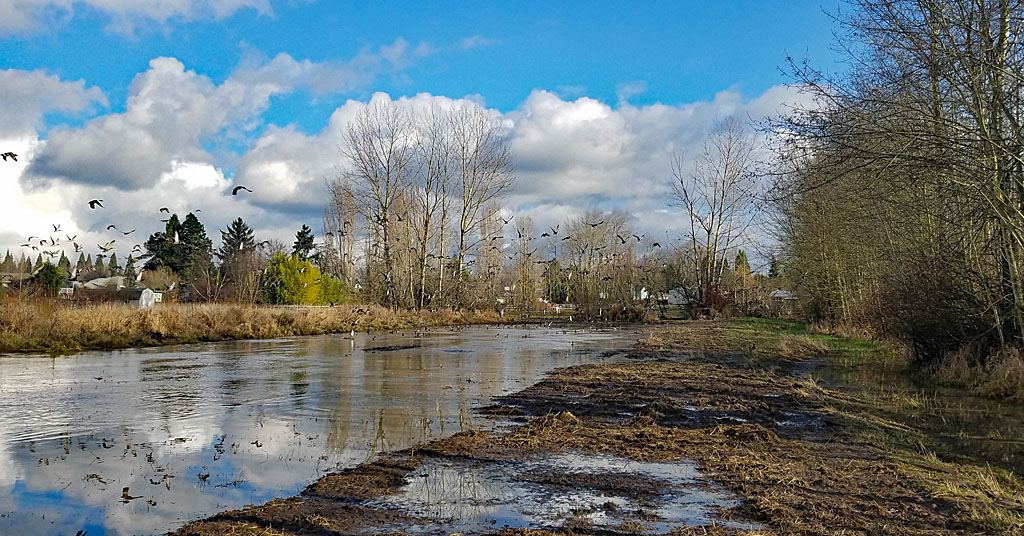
pixel 28 95
pixel 170 111
pixel 18 16
pixel 629 89
pixel 477 41
pixel 571 154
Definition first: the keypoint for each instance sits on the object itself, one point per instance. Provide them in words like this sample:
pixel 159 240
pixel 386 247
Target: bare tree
pixel 435 167
pixel 717 192
pixel 485 172
pixel 380 147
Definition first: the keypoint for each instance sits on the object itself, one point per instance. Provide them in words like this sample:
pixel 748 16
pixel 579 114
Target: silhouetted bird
pixel 10 154
pixel 165 209
pixel 96 202
pixel 234 191
pixel 111 226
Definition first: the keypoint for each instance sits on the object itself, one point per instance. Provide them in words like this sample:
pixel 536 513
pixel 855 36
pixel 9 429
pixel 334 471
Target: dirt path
pixel 776 455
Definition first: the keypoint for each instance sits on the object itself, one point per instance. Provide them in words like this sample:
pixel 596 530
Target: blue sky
pixel 667 67
pixel 681 51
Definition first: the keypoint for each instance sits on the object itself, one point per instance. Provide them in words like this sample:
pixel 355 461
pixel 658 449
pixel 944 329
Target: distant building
pixel 139 298
pixel 8 279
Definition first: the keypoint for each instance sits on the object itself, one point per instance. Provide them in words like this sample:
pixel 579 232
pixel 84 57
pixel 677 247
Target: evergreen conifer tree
pixel 303 243
pixel 8 265
pixel 233 240
pixel 129 272
pixel 112 266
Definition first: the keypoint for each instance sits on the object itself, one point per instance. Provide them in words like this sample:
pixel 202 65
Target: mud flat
pixel 706 428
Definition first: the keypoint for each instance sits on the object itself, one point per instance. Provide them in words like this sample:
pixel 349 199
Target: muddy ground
pixel 778 453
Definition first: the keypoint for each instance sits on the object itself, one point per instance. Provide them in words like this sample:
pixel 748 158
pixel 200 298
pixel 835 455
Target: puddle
pixel 562 491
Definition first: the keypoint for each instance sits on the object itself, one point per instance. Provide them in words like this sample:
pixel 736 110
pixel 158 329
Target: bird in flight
pixel 639 238
pixel 71 238
pixel 623 240
pixel 107 247
pixel 77 247
pixel 10 154
pixel 126 233
pixel 234 191
pixel 508 220
pixel 595 224
pixel 111 226
pixel 165 209
pixel 56 227
pixel 96 202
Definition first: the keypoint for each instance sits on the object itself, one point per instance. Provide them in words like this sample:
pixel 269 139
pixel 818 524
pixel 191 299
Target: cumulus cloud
pixel 571 154
pixel 18 16
pixel 28 95
pixel 170 111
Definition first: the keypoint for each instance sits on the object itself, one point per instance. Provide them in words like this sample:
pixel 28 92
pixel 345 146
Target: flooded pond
pixel 141 441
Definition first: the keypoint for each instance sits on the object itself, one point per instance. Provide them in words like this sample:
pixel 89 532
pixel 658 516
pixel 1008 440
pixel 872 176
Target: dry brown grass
pixel 999 376
pixel 801 347
pixel 54 328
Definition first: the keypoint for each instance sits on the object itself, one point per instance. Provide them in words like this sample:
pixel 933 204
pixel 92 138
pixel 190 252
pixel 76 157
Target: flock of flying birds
pixel 109 246
pixel 53 247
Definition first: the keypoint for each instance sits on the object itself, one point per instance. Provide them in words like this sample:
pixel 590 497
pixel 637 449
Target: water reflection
pixel 193 430
pixel 559 491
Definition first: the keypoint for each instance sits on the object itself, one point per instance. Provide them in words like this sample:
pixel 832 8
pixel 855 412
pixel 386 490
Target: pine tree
pixel 773 267
pixel 99 267
pixel 64 263
pixel 181 245
pixel 236 238
pixel 8 265
pixel 82 265
pixel 25 265
pixel 39 263
pixel 303 243
pixel 112 267
pixel 129 272
pixel 741 266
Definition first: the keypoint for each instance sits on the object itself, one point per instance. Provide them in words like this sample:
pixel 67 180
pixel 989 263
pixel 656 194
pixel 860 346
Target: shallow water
pixel 193 430
pixel 557 492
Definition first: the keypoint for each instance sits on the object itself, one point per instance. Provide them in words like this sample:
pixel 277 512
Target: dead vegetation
pixel 1001 375
pixel 57 329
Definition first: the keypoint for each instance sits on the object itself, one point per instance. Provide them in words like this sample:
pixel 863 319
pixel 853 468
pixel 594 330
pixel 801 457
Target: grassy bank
pixel 816 434
pixel 56 329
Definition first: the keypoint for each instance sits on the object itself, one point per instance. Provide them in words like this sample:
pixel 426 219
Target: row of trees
pixel 419 196
pixel 900 192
